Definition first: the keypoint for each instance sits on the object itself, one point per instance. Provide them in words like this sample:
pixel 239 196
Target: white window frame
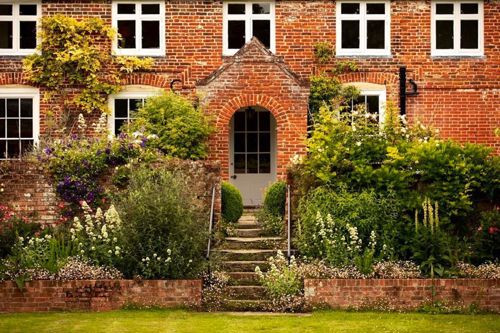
pixel 19 93
pixel 457 33
pixel 248 17
pixel 372 89
pixel 15 18
pixel 138 17
pixel 131 92
pixel 362 17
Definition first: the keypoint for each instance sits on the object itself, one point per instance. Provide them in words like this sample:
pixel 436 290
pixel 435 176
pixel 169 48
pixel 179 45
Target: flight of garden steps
pixel 241 254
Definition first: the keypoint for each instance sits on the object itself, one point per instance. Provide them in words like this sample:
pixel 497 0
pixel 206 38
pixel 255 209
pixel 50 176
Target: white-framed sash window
pixel 18 27
pixel 457 28
pixel 244 20
pixel 140 26
pixel 363 28
pixel 373 97
pixel 19 121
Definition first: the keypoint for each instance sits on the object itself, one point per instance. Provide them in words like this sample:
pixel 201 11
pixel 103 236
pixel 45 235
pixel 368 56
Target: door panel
pixel 252 153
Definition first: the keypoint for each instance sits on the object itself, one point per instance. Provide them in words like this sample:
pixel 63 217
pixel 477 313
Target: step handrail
pixel 212 205
pixel 289 222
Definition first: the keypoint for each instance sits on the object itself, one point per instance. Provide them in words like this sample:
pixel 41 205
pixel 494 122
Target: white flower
pixel 358 143
pixel 169 252
pixel 136 134
pixel 109 251
pixel 154 255
pixel 92 248
pixel 152 136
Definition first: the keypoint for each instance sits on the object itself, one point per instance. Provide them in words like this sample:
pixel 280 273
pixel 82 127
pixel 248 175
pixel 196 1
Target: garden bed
pixel 97 295
pixel 402 294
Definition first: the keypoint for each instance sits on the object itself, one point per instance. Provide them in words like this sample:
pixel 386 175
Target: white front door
pixel 252 153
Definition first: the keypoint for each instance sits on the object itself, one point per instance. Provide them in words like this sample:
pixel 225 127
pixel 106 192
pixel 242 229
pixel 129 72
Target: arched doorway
pixel 252 152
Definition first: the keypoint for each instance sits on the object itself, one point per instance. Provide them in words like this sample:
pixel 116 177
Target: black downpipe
pixel 402 90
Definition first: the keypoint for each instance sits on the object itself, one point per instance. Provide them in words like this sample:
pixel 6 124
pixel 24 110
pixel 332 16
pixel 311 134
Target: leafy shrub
pixel 164 227
pixel 283 284
pixel 486 239
pixel 232 203
pixel 275 198
pixel 12 227
pixel 326 90
pixel 323 52
pixel 272 224
pixel 181 130
pixel 484 271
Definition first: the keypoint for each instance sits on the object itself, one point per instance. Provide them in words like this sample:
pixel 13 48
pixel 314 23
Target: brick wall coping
pixel 97 295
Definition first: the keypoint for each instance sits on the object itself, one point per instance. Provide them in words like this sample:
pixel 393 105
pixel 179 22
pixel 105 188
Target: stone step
pixel 247 305
pixel 243 278
pixel 246 255
pixel 244 266
pixel 247 225
pixel 249 232
pixel 257 243
pixel 246 292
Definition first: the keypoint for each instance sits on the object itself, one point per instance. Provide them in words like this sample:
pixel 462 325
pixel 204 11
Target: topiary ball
pixel 275 198
pixel 232 203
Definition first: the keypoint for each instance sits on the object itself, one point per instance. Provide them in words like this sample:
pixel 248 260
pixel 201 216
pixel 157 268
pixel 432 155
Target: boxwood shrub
pixel 232 203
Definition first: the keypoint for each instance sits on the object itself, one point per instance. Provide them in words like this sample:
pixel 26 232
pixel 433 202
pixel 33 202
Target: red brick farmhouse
pixel 257 88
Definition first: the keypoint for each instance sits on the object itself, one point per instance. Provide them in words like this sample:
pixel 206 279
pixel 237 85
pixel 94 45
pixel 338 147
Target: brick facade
pixel 457 95
pixel 92 295
pixel 402 294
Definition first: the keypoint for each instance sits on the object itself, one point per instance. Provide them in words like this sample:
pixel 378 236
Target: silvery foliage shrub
pixel 283 284
pixel 164 228
pixel 485 271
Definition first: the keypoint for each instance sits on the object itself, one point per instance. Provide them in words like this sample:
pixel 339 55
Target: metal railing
pixel 289 222
pixel 210 226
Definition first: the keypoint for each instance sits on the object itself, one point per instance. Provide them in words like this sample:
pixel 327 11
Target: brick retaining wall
pixel 103 295
pixel 403 294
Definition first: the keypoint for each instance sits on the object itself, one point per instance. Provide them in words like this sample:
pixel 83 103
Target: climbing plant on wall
pixel 76 54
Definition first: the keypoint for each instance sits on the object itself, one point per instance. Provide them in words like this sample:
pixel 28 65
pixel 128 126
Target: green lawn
pixel 184 321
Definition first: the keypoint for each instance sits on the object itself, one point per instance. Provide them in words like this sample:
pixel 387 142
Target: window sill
pixel 458 56
pixel 363 56
pixel 159 54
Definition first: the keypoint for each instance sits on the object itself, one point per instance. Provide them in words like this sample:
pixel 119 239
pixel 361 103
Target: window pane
pixel 239 142
pixel 239 121
pixel 5 35
pixel 375 8
pixel 470 33
pixel 13 128
pixel 375 34
pixel 27 10
pixel 236 34
pixel 373 104
pixel 3 149
pixel 121 108
pixel 2 127
pixel 150 34
pixel 128 8
pixel 26 146
pixel 26 107
pixel 264 121
pixel 135 104
pixel 27 32
pixel 350 8
pixel 350 34
pixel 262 30
pixel 5 9
pixel 26 128
pixel 265 163
pixel 252 163
pixel 264 142
pixel 469 8
pixel 2 107
pixel 239 163
pixel 444 34
pixel 444 8
pixel 151 9
pixel 251 119
pixel 252 142
pixel 261 8
pixel 234 8
pixel 126 29
pixel 12 108
pixel 119 124
pixel 13 149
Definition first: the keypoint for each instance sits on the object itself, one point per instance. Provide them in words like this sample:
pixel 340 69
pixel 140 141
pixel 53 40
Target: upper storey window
pixel 18 30
pixel 363 28
pixel 141 28
pixel 244 20
pixel 457 28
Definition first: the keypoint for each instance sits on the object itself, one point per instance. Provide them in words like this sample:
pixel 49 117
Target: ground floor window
pixel 19 122
pixel 372 97
pixel 124 105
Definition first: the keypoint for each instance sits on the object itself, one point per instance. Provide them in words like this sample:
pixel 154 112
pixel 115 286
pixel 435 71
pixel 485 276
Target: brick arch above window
pixel 370 77
pixel 14 79
pixel 148 79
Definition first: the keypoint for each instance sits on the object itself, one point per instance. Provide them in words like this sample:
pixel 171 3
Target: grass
pixel 178 321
